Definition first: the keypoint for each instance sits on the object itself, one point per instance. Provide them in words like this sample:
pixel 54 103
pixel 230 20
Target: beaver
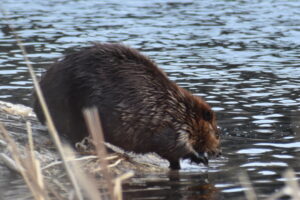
pixel 141 110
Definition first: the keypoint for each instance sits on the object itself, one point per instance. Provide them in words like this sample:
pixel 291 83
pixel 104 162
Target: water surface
pixel 243 57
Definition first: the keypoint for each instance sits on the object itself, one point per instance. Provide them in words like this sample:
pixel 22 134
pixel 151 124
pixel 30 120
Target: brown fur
pixel 140 108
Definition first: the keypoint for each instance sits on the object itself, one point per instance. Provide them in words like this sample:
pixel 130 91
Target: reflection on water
pixel 243 57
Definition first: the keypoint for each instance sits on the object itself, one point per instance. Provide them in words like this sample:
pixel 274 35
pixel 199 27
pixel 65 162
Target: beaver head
pixel 204 137
pixel 200 135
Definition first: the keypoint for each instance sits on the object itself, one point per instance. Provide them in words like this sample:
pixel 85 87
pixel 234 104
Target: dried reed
pixel 86 183
pixel 93 122
pixel 118 185
pixel 291 188
pixel 49 121
pixel 246 184
pixel 28 168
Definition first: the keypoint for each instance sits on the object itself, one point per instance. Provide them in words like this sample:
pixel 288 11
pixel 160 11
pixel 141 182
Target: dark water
pixel 243 57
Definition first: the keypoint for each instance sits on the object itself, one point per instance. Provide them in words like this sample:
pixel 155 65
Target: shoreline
pixel 14 118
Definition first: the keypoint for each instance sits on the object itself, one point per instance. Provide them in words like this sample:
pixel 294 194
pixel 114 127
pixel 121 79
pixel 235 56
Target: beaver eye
pixel 207 115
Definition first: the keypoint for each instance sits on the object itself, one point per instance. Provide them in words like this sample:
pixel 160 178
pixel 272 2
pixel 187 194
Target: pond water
pixel 243 57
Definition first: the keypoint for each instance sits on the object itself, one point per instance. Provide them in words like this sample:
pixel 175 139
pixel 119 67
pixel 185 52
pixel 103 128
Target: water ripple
pixel 246 67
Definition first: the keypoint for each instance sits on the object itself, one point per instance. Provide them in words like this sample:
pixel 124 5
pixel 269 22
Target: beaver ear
pixel 207 115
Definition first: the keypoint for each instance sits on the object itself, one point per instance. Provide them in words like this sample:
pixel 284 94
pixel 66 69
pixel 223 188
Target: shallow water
pixel 243 57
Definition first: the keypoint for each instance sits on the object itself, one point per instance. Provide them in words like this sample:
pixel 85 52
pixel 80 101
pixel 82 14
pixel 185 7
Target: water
pixel 243 57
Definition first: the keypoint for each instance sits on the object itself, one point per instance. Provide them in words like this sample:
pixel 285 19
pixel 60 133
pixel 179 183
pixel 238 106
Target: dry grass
pixel 249 191
pixel 42 186
pixel 291 188
pixel 29 167
pixel 94 126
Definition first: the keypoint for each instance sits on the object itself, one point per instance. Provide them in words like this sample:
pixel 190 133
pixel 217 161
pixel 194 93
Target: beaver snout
pixel 198 158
